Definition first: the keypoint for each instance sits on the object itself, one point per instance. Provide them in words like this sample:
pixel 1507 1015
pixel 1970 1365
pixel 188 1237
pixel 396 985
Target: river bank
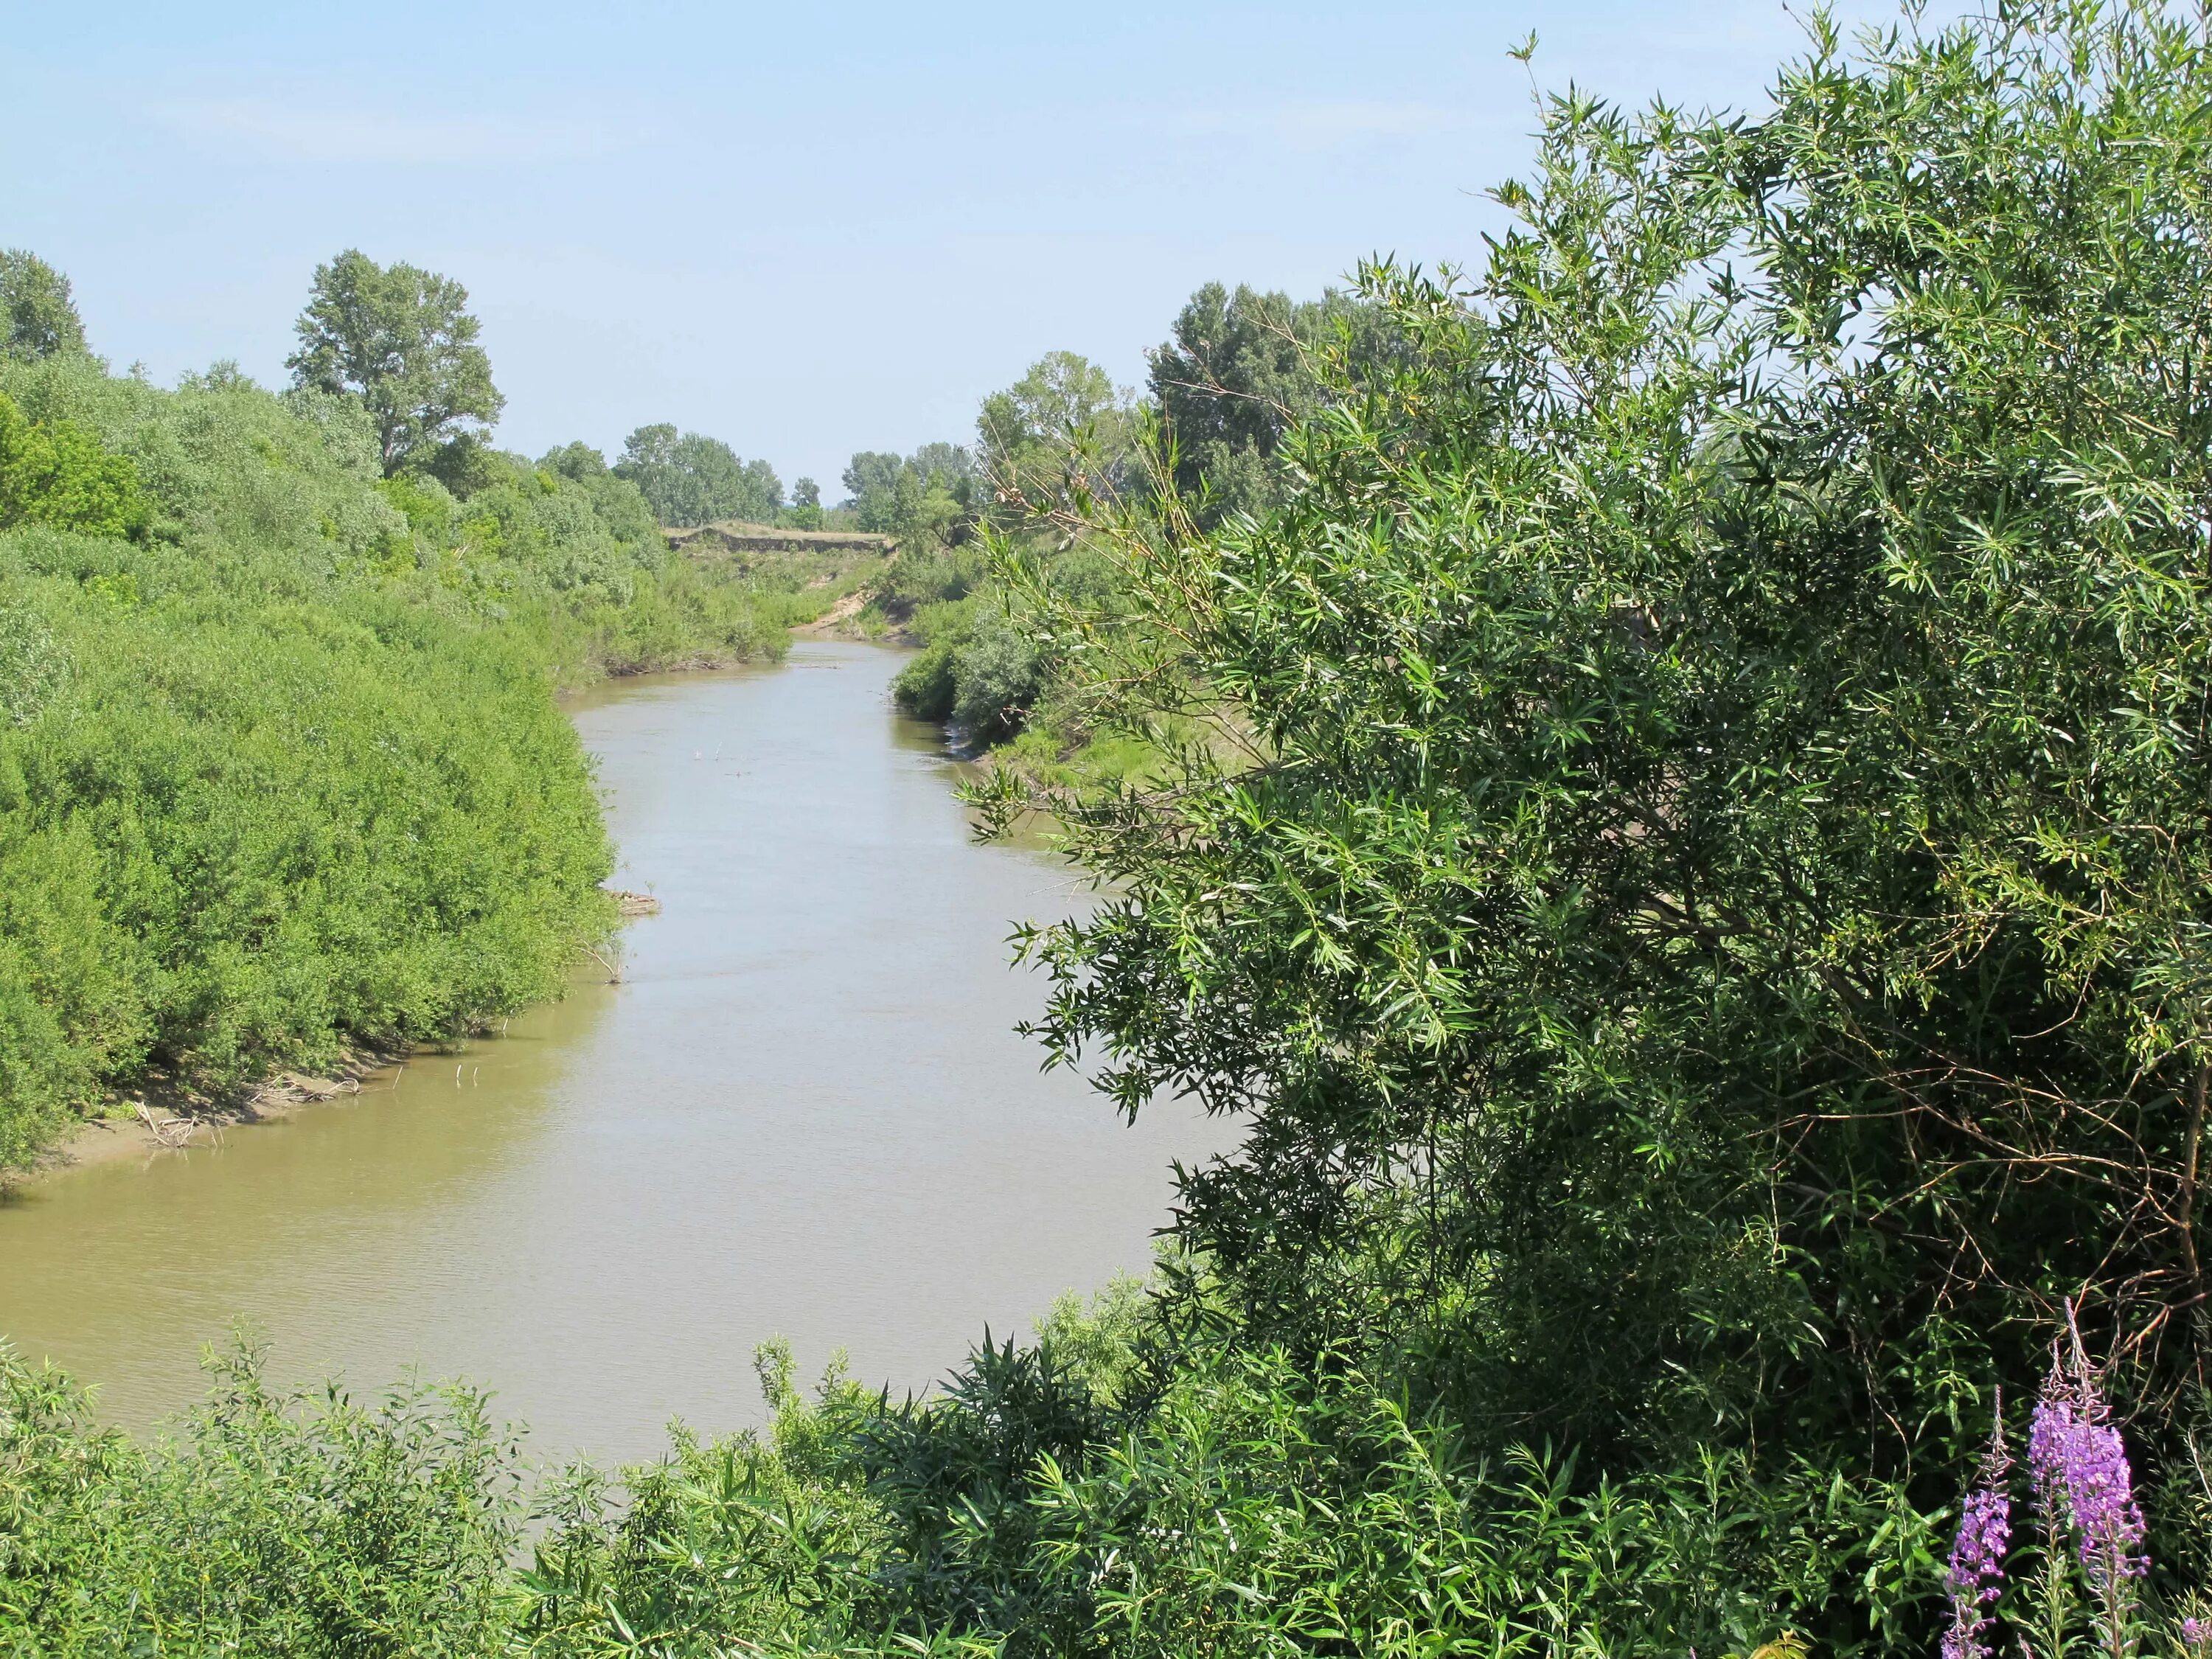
pixel 158 1120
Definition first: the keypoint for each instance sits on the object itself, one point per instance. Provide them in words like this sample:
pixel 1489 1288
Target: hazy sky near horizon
pixel 804 229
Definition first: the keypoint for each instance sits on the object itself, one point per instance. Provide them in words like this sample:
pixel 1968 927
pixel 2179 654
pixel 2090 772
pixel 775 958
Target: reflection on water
pixel 802 1112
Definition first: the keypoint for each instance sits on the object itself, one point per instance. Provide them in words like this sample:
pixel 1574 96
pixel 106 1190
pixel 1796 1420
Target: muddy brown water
pixel 802 1113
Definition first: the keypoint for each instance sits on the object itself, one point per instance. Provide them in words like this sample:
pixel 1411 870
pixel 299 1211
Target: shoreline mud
pixel 144 1126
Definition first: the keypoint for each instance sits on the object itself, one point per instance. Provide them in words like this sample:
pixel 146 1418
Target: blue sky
pixel 804 229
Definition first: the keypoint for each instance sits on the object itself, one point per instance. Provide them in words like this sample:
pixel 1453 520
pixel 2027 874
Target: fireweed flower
pixel 1976 1574
pixel 2078 1459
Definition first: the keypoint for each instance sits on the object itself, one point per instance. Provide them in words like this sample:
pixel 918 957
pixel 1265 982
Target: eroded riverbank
pixel 802 1112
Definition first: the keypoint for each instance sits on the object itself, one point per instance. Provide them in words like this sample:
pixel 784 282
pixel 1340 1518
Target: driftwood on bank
pixel 167 1132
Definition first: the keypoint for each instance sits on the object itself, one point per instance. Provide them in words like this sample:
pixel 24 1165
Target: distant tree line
pixel 691 479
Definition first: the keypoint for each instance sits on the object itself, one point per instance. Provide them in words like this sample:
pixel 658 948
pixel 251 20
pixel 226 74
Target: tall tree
pixel 1701 900
pixel 578 460
pixel 871 472
pixel 402 339
pixel 38 318
pixel 1062 393
pixel 946 464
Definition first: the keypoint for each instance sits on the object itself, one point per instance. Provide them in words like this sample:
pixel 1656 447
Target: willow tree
pixel 1701 880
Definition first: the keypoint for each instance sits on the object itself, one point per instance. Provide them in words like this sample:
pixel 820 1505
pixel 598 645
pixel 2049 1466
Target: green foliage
pixel 1060 432
pixel 297 1524
pixel 383 832
pixel 689 479
pixel 1241 370
pixel 927 499
pixel 1060 435
pixel 40 317
pixel 1236 1503
pixel 997 674
pixel 804 512
pixel 929 687
pixel 687 616
pixel 1102 1341
pixel 765 1539
pixel 402 340
pixel 1268 1506
pixel 33 667
pixel 1680 834
pixel 983 665
pixel 56 473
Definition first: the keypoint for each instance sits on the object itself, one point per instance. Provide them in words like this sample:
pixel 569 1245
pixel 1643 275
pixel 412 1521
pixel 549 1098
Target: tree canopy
pixel 402 340
pixel 38 318
pixel 1241 368
pixel 1699 875
pixel 56 473
pixel 928 494
pixel 1063 410
pixel 691 479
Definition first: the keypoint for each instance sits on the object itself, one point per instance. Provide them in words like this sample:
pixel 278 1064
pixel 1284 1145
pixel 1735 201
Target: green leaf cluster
pixel 402 341
pixel 40 317
pixel 1240 370
pixel 56 473
pixel 928 500
pixel 304 1523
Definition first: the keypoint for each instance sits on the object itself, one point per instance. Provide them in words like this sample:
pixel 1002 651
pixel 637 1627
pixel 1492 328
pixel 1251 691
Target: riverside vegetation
pixel 1676 813
pixel 280 768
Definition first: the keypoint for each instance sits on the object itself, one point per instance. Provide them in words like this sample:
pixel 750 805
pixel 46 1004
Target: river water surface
pixel 802 1112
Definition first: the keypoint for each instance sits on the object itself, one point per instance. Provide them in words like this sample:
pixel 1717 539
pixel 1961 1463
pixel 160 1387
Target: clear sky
pixel 805 230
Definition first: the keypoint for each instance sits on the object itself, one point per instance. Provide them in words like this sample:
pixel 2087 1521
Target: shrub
pixel 295 1524
pixel 56 473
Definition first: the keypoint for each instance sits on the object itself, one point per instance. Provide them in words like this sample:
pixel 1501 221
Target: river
pixel 802 1112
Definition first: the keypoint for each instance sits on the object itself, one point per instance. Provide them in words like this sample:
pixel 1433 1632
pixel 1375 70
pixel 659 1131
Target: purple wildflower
pixel 2079 1466
pixel 1976 1577
pixel 2196 1633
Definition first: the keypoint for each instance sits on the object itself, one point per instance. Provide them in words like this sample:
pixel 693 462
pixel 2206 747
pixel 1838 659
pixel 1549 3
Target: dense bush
pixel 983 664
pixel 236 834
pixel 1700 890
pixel 307 1526
pixel 55 473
